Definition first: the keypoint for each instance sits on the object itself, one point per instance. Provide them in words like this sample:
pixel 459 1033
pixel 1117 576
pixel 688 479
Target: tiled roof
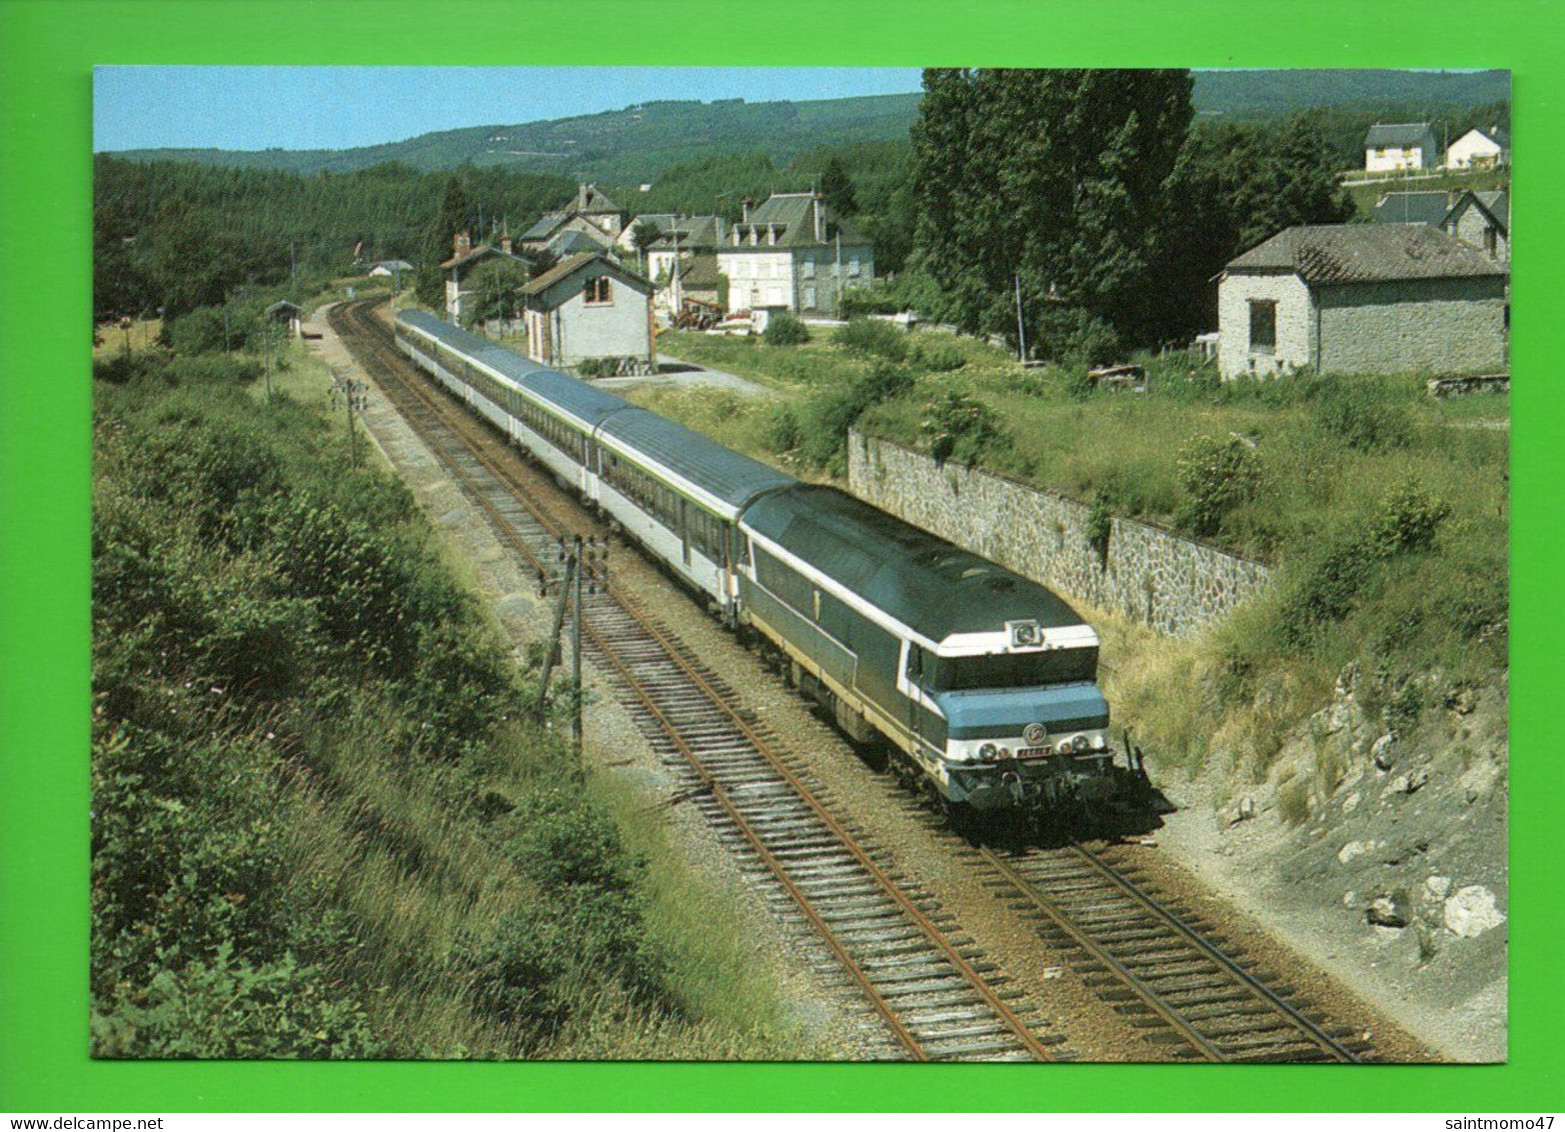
pixel 477 253
pixel 1413 208
pixel 545 226
pixel 694 232
pixel 793 215
pixel 1364 253
pixel 1498 202
pixel 1396 133
pixel 571 241
pixel 568 267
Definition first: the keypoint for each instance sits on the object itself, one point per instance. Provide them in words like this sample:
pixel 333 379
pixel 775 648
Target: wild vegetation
pixel 1385 511
pixel 323 824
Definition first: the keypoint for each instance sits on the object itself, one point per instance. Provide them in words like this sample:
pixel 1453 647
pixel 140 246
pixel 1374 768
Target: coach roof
pixel 727 475
pixel 926 583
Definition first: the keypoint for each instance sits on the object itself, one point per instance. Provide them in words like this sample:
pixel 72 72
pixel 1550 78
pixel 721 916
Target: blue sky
pixel 336 107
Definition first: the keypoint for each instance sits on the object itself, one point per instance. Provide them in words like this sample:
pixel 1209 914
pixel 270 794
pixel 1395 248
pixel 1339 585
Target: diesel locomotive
pixel 982 683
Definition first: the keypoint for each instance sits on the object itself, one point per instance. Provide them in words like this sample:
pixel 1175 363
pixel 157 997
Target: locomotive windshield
pixel 1012 670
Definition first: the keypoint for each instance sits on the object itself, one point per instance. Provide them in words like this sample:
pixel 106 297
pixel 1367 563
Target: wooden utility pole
pixel 1021 328
pixel 576 706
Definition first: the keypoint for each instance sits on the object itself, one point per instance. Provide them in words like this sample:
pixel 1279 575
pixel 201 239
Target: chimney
pixel 744 209
pixel 505 244
pixel 820 223
pixel 462 243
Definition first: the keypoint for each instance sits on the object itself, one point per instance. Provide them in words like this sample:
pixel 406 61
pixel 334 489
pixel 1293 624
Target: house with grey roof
pixel 794 253
pixel 589 310
pixel 464 258
pixel 1362 298
pixel 1482 219
pixel 1395 146
pixel 592 213
pixel 1479 149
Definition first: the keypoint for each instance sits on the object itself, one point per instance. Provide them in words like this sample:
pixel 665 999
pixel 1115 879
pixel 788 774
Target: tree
pixel 645 235
pixel 837 188
pixel 1233 187
pixel 496 286
pixel 1054 178
pixel 453 214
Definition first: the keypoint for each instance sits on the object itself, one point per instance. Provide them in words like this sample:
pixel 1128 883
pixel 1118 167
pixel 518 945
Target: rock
pixel 1471 912
pixel 1383 750
pixel 1053 972
pixel 1349 898
pixel 1417 780
pixel 1436 889
pixel 1397 785
pixel 1385 912
pixel 1352 849
pixel 1244 811
pixel 1462 701
pixel 1351 802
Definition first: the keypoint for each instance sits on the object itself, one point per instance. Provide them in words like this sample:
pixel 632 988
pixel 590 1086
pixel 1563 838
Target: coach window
pixel 599 291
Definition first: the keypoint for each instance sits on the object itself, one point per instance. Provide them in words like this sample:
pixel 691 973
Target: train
pixel 980 684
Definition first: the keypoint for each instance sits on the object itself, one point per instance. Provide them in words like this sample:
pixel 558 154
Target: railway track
pixel 936 995
pixel 1156 963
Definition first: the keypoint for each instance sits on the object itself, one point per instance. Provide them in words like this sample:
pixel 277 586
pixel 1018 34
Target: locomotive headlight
pixel 988 752
pixel 1080 743
pixel 1064 747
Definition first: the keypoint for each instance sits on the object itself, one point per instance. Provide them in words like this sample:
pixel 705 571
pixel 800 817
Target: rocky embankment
pixel 1380 851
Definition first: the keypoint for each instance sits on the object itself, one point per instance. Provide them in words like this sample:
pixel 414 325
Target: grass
pixel 385 864
pixel 1330 454
pixel 1479 180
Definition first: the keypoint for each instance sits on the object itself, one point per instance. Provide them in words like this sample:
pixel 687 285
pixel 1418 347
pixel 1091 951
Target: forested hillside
pixel 637 143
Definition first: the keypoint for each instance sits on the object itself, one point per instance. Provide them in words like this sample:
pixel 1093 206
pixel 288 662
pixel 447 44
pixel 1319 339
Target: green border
pixel 45 124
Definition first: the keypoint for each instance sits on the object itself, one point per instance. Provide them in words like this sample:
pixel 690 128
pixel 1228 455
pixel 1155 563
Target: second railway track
pixel 936 995
pixel 938 998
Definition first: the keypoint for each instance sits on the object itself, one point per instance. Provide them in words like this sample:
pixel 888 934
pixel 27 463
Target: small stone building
pixel 289 315
pixel 1363 298
pixel 589 309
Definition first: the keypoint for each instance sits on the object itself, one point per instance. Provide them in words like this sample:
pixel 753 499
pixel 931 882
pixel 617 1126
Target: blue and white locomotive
pixel 982 682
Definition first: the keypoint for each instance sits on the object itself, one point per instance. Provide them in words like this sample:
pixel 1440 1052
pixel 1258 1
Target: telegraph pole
pixel 354 394
pixel 1021 329
pixel 576 652
pixel 266 350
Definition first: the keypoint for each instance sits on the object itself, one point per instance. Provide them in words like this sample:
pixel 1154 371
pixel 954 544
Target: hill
pixel 636 143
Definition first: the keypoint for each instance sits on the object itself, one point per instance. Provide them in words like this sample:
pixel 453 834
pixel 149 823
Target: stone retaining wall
pixel 1171 583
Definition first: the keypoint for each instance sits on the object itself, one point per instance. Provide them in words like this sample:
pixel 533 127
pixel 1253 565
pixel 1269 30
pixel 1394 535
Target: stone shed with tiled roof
pixel 1362 298
pixel 589 312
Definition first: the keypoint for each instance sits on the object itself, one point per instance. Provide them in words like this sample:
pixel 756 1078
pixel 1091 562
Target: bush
pixel 785 330
pixel 873 338
pixel 780 429
pixel 936 357
pixel 1075 338
pixel 1217 474
pixel 1360 415
pixel 836 411
pixel 1408 520
pixel 960 426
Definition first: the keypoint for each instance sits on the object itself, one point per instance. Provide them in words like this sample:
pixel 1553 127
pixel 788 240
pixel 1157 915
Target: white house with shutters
pixel 1397 146
pixel 793 253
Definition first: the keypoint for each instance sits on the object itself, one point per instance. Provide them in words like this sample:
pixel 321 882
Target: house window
pixel 853 266
pixel 809 269
pixel 809 298
pixel 1491 241
pixel 1380 151
pixel 1263 326
pixel 599 291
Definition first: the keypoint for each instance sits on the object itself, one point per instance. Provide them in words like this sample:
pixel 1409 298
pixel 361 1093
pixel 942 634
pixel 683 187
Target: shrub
pixel 836 411
pixel 1360 415
pixel 1075 338
pixel 1216 474
pixel 780 428
pixel 228 1008
pixel 873 338
pixel 961 426
pixel 785 330
pixel 936 357
pixel 1408 520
